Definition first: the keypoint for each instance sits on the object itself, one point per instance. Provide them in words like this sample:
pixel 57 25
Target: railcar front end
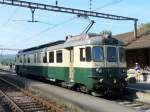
pixel 109 69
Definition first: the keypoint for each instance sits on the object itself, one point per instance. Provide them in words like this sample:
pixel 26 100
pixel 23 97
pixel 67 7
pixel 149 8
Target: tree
pixel 143 27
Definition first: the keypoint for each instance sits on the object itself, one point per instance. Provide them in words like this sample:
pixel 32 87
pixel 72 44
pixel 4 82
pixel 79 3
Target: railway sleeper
pixel 33 109
pixel 31 106
pixel 25 104
pixel 9 87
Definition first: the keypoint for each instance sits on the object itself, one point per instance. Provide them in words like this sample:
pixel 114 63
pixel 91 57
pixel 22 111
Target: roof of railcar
pixel 85 39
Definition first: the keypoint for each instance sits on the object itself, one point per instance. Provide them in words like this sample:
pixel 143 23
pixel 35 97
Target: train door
pixel 71 67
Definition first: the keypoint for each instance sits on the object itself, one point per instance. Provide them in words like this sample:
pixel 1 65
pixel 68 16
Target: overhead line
pixel 33 5
pixel 108 4
pixel 9 19
pixel 10 49
pixel 45 30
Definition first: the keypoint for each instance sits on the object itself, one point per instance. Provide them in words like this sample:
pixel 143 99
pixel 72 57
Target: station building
pixel 137 49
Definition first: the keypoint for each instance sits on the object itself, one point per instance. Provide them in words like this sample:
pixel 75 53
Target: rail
pixel 20 100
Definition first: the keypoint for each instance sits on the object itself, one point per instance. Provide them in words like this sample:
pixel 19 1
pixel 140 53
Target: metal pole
pixel 32 11
pixel 135 29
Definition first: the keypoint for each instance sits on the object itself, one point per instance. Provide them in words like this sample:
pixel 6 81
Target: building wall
pixel 141 56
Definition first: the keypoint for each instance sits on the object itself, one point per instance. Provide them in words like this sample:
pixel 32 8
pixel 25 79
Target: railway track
pixel 130 103
pixel 19 100
pixel 137 105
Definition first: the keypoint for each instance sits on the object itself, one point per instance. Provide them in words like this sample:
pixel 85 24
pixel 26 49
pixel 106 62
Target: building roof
pixel 125 37
pixel 142 41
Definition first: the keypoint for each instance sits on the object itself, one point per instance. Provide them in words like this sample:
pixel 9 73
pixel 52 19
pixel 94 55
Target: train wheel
pixel 84 89
pixel 95 94
pixel 76 87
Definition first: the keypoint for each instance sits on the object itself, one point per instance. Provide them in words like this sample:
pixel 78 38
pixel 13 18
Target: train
pixel 87 62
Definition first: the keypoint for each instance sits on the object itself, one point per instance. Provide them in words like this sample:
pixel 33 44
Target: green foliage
pixel 7 62
pixel 7 59
pixel 143 27
pixel 106 32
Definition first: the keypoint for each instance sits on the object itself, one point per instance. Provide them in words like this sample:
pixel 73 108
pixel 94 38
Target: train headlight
pixel 123 70
pixel 114 81
pixel 101 80
pixel 99 70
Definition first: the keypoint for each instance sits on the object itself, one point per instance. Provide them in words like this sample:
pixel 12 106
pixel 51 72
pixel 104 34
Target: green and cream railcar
pixel 87 62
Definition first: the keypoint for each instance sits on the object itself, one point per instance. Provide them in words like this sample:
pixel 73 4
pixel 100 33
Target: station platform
pixel 143 86
pixel 72 99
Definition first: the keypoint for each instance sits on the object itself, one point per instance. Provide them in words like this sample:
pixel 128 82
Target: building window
pixel 45 57
pixel 59 56
pixel 51 57
pixel 122 56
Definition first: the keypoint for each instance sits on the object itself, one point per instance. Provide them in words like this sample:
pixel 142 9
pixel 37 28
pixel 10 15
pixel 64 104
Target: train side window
pixel 28 59
pixel 38 57
pixel 82 54
pixel 51 57
pixel 88 54
pixel 34 58
pixel 59 56
pixel 45 57
pixel 24 59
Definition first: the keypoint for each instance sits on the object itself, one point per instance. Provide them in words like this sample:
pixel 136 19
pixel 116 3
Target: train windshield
pixel 111 54
pixel 122 57
pixel 97 54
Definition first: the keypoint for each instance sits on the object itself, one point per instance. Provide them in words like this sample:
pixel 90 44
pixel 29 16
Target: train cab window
pixel 51 57
pixel 88 54
pixel 97 54
pixel 111 54
pixel 45 57
pixel 24 59
pixel 122 57
pixel 59 56
pixel 82 54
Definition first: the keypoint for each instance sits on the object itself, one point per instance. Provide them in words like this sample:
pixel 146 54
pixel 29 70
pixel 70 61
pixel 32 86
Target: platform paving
pixel 86 102
pixel 140 86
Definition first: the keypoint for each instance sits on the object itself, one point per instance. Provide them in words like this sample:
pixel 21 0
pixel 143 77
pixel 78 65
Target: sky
pixel 17 33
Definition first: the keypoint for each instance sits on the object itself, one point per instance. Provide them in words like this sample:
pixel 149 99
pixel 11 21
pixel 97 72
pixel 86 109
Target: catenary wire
pixel 10 17
pixel 43 31
pixel 108 4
